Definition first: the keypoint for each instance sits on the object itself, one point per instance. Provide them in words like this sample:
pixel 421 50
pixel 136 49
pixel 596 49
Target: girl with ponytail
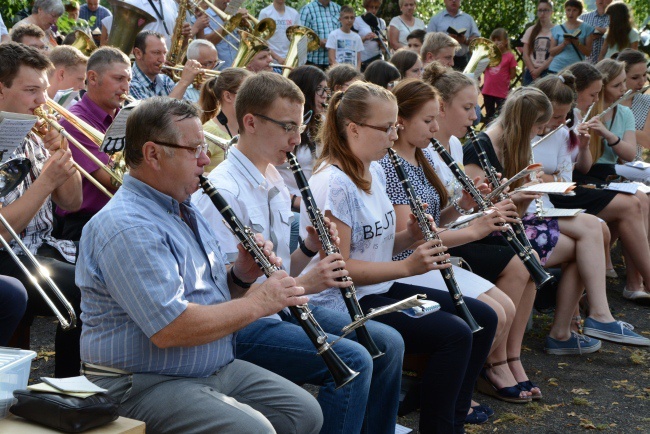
pixel 217 102
pixel 349 186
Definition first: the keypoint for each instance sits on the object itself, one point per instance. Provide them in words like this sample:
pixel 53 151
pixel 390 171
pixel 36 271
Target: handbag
pixel 64 412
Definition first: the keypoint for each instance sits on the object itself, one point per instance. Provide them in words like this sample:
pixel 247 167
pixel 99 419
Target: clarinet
pixel 341 373
pixel 423 221
pixel 491 174
pixel 541 278
pixel 318 222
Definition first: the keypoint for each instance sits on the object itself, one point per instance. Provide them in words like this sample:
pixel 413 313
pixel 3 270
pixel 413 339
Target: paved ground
pixel 606 391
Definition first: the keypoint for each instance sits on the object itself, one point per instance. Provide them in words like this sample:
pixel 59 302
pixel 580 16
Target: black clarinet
pixel 493 179
pixel 423 221
pixel 318 222
pixel 341 373
pixel 539 275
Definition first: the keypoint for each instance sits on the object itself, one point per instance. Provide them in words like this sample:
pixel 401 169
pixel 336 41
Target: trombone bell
pixel 481 49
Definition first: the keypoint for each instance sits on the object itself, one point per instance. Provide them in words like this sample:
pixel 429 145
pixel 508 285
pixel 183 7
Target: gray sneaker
pixel 576 344
pixel 616 331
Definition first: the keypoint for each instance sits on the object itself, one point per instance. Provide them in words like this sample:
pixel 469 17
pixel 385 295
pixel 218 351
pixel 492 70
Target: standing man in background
pixel 322 16
pixel 92 8
pixel 284 17
pixel 453 17
pixel 600 20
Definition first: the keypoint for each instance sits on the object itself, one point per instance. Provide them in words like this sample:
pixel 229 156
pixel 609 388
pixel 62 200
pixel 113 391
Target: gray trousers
pixel 240 398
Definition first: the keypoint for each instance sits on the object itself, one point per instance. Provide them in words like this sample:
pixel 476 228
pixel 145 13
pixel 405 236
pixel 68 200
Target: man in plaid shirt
pixel 28 208
pixel 600 20
pixel 322 16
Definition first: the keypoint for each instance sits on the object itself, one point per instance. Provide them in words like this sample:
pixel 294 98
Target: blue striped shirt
pixel 139 266
pixel 142 87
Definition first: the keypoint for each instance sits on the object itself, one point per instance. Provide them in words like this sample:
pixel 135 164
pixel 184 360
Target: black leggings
pixel 457 355
pixel 66 343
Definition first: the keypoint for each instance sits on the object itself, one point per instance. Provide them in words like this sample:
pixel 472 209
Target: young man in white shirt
pixel 269 111
pixel 343 45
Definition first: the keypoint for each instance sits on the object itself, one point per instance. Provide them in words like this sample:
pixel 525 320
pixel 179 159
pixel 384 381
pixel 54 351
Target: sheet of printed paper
pixel 14 128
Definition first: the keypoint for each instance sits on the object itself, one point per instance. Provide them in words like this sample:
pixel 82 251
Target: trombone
pixel 200 77
pixel 89 131
pixel 12 174
pixel 38 111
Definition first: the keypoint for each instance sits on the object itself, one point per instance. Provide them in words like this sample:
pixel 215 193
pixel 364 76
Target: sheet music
pixel 114 137
pixel 66 98
pixel 565 188
pixel 560 212
pixel 623 187
pixel 641 165
pixel 13 129
pixel 233 7
pixel 302 50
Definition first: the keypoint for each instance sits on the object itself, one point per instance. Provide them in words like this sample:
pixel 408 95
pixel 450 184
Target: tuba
pixel 482 49
pixel 249 46
pixel 295 34
pixel 263 29
pixel 84 43
pixel 128 21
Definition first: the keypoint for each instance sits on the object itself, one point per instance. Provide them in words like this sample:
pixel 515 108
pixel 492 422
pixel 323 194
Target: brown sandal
pixel 527 385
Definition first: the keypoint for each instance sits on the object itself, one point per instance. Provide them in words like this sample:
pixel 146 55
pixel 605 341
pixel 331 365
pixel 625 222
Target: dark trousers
pixel 492 107
pixel 72 225
pixel 456 354
pixel 460 62
pixel 66 343
pixel 13 301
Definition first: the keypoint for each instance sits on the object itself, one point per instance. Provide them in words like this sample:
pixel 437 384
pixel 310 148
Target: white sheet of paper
pixel 44 387
pixel 549 187
pixel 78 384
pixel 623 187
pixel 13 129
pixel 561 212
pixel 641 165
pixel 399 429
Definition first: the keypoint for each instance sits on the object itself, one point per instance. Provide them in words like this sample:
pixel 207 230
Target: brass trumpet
pixel 40 112
pixel 198 80
pixel 12 174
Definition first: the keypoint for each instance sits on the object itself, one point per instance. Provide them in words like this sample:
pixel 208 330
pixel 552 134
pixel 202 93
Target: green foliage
pixel 9 9
pixel 67 24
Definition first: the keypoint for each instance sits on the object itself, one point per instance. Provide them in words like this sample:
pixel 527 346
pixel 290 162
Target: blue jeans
pixel 13 301
pixel 368 403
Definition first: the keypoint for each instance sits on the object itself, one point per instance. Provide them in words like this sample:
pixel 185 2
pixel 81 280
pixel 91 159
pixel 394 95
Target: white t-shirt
pixel 405 30
pixel 279 42
pixel 371 48
pixel 554 155
pixel 443 171
pixel 347 45
pixel 371 218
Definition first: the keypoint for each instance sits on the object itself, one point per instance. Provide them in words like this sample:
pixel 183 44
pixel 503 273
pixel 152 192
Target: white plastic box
pixel 15 365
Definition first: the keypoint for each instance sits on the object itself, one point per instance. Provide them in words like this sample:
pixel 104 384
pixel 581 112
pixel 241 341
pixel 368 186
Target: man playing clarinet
pixel 162 304
pixel 269 110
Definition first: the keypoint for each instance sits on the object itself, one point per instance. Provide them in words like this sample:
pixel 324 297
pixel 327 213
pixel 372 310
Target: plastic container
pixel 15 365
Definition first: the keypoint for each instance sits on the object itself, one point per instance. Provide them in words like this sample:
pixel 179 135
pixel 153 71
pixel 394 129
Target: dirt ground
pixel 605 391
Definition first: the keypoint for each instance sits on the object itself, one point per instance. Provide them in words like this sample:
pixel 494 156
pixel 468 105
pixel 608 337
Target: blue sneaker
pixel 576 344
pixel 615 331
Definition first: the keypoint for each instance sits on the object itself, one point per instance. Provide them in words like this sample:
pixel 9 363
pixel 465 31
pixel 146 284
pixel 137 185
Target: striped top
pixel 139 267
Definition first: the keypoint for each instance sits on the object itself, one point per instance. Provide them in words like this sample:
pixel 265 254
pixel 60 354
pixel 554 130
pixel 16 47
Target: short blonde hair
pixel 436 41
pixel 401 2
pixel 66 56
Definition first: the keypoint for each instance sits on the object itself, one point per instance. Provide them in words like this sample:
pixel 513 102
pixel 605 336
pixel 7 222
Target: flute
pixel 423 221
pixel 541 278
pixel 341 373
pixel 318 222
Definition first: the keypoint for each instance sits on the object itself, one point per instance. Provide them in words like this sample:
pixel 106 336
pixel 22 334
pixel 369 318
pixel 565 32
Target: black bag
pixel 63 412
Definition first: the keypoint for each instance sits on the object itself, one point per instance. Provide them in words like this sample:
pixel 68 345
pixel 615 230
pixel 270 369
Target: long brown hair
pixel 610 69
pixel 355 104
pixel 524 108
pixel 212 90
pixel 412 94
pixel 620 25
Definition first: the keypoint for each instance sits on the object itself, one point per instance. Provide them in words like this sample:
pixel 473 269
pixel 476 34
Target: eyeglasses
pixel 289 127
pixel 197 150
pixel 323 91
pixel 387 130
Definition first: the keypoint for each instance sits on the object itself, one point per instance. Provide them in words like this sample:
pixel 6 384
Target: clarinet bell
pixel 341 372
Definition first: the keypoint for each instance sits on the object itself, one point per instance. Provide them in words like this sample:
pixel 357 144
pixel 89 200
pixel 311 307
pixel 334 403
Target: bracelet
pixel 460 210
pixel 611 145
pixel 305 250
pixel 237 281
